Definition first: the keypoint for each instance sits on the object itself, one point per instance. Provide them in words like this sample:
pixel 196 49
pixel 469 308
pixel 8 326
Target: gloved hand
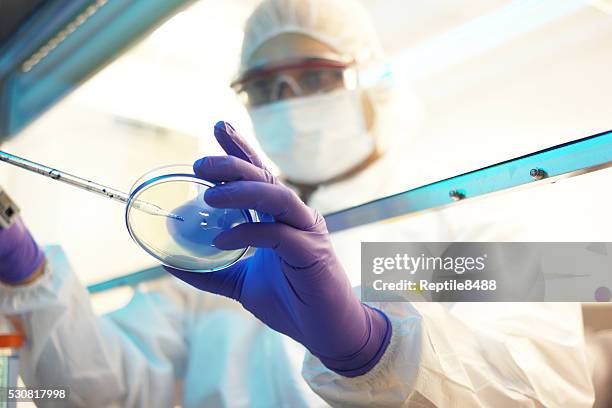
pixel 20 256
pixel 293 283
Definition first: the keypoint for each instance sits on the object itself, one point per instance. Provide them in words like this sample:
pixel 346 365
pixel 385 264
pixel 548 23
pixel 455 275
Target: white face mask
pixel 315 138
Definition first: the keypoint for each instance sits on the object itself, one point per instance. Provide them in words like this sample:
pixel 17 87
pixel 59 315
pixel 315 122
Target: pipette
pixel 85 184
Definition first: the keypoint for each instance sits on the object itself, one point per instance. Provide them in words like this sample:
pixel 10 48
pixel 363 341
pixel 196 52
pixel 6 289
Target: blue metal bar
pixel 559 160
pixel 573 158
pixel 115 26
pixel 131 279
pixel 37 30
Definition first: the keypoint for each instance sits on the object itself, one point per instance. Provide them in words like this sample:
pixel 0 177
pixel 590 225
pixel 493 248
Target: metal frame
pixel 64 44
pixel 131 279
pixel 549 165
pixel 565 160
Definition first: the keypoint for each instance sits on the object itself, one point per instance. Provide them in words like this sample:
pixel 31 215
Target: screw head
pixel 456 195
pixel 538 174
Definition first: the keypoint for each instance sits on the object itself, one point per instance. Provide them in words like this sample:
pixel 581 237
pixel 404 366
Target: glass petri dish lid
pixel 181 236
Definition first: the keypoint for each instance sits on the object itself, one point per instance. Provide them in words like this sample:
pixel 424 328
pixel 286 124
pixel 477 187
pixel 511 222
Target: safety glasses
pixel 260 86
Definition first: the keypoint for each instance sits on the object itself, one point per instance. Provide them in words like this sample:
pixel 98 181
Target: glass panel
pixel 569 210
pixel 475 83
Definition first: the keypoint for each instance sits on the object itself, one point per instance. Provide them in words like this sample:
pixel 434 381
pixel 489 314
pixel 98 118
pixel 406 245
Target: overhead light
pixel 58 38
pixel 482 34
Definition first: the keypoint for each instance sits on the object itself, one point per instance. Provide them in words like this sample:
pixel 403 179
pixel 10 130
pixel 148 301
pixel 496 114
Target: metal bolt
pixel 538 174
pixel 456 195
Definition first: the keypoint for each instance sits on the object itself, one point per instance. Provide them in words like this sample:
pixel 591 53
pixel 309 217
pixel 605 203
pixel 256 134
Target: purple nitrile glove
pixel 20 255
pixel 293 283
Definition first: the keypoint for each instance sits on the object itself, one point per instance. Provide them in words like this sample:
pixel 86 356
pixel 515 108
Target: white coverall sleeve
pixel 527 355
pixel 128 358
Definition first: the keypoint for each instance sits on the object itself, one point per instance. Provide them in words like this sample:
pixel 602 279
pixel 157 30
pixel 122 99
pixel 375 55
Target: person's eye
pixel 258 91
pixel 310 81
pixel 262 86
pixel 331 79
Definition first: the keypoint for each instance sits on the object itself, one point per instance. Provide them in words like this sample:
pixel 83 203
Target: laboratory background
pixel 480 82
pixel 121 88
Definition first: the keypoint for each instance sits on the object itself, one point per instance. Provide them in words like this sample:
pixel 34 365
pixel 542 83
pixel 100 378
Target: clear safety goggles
pixel 260 86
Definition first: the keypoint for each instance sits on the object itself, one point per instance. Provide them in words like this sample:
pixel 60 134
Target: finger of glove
pixel 226 282
pixel 285 240
pixel 229 168
pixel 234 145
pixel 273 199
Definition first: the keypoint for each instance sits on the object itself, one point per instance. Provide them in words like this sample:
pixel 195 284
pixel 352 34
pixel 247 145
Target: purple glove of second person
pixel 20 255
pixel 294 283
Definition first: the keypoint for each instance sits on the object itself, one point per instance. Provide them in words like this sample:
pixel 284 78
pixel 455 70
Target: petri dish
pixel 184 240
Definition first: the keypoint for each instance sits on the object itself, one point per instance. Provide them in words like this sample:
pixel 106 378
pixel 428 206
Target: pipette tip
pixel 176 217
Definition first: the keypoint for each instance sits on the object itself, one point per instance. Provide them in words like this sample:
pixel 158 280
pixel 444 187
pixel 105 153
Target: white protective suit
pixel 466 355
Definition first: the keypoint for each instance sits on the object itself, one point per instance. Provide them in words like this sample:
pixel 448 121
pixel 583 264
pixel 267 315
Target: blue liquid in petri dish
pixel 184 242
pixel 200 225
